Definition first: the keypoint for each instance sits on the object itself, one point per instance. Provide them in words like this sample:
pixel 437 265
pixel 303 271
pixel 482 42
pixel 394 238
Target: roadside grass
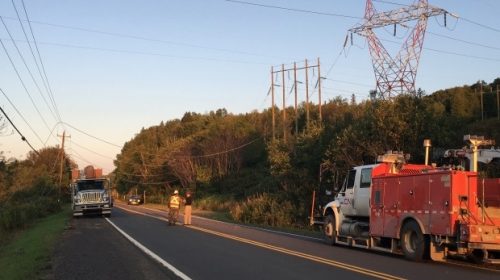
pixel 28 252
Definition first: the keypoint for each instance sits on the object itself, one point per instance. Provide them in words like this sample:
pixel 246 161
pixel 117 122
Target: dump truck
pixel 90 193
pixel 419 211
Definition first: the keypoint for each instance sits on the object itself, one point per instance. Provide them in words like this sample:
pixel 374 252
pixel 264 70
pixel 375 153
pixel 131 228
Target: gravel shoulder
pixel 90 248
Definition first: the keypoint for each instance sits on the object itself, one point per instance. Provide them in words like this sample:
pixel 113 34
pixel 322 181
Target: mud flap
pixel 437 252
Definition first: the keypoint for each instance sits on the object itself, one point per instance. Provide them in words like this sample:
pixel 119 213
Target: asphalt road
pixel 216 250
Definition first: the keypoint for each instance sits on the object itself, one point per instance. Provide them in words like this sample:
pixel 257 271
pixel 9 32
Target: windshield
pixel 91 185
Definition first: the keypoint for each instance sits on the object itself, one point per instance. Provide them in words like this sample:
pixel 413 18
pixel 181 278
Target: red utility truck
pixel 416 211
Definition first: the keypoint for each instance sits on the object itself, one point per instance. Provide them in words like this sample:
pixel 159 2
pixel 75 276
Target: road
pixel 217 250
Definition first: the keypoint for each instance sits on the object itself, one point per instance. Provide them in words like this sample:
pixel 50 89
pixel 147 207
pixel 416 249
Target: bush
pixel 26 205
pixel 215 203
pixel 265 209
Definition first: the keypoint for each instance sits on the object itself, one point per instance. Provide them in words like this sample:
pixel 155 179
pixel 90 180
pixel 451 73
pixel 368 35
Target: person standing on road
pixel 187 208
pixel 174 203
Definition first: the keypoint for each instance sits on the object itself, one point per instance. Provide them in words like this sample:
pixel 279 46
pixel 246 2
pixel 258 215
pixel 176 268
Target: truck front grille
pixel 91 197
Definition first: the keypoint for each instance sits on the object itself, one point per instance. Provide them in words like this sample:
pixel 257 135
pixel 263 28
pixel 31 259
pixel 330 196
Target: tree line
pixel 235 156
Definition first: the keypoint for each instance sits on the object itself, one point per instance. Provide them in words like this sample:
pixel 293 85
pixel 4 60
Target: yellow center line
pixel 337 264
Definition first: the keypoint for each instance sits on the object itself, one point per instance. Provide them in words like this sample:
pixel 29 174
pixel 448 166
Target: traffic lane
pixel 205 256
pixel 92 249
pixel 383 262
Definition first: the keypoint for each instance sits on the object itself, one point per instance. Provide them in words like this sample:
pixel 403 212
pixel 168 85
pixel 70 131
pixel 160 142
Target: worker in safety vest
pixel 174 203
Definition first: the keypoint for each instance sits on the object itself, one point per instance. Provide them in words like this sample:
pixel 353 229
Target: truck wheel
pixel 330 234
pixel 414 244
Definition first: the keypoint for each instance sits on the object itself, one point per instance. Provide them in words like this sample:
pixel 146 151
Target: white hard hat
pixel 176 192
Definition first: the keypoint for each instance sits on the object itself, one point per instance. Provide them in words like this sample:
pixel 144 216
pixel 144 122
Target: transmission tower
pixel 396 75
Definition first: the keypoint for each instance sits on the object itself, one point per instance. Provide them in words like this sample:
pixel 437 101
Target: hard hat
pixel 176 192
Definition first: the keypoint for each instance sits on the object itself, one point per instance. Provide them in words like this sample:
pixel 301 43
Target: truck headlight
pixel 105 197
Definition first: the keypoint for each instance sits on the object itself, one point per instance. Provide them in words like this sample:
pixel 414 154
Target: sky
pixel 117 66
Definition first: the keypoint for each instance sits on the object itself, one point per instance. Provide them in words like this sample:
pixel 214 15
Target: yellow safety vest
pixel 175 201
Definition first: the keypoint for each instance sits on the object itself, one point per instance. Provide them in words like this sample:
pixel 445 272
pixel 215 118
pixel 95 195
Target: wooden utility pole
pixel 319 93
pixel 482 109
pixel 295 87
pixel 498 103
pixel 272 105
pixel 63 136
pixel 284 105
pixel 307 95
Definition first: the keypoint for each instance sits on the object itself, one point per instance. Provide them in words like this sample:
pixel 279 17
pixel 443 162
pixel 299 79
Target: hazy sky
pixel 116 66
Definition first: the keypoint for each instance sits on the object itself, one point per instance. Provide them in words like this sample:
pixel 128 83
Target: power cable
pixel 27 68
pixel 480 24
pixel 292 9
pixel 152 54
pixel 92 136
pixel 77 155
pixel 464 41
pixel 20 134
pixel 89 150
pixel 452 53
pixel 23 84
pixel 22 117
pixel 46 81
pixel 145 38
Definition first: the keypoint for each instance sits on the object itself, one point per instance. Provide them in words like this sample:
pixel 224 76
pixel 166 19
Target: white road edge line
pixel 150 253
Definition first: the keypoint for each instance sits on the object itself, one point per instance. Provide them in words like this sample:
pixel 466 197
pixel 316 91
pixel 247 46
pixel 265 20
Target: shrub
pixel 265 209
pixel 26 205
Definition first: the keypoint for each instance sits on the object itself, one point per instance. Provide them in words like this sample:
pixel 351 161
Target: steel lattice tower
pixel 396 75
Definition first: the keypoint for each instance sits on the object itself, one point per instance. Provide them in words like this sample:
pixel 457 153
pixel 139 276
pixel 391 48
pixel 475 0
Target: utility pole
pixel 63 136
pixel 284 106
pixel 482 102
pixel 295 87
pixel 307 95
pixel 319 93
pixel 498 103
pixel 272 105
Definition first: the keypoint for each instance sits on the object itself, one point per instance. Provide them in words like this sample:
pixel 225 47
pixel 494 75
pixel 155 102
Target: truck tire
pixel 414 244
pixel 329 232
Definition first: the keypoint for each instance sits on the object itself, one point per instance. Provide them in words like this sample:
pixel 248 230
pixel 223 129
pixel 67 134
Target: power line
pixel 292 9
pixel 46 80
pixel 22 117
pixel 121 35
pixel 20 134
pixel 27 68
pixel 480 24
pixel 451 53
pixel 77 155
pixel 22 82
pixel 89 150
pixel 151 54
pixel 464 41
pixel 92 136
pixel 464 19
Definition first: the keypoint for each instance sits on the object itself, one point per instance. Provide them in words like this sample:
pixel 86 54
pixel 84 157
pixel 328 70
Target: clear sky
pixel 116 66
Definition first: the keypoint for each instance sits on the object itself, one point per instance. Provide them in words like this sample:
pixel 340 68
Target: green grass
pixel 29 252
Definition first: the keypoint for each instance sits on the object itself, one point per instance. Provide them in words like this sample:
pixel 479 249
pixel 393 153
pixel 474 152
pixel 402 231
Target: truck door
pixel 346 198
pixel 361 202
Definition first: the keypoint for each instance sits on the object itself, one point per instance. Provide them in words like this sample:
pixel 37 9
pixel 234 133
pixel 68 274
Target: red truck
pixel 418 211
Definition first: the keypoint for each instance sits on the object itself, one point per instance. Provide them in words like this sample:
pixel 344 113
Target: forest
pixel 237 164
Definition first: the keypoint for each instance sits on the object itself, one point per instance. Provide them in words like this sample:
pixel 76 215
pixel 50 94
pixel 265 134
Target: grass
pixel 28 253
